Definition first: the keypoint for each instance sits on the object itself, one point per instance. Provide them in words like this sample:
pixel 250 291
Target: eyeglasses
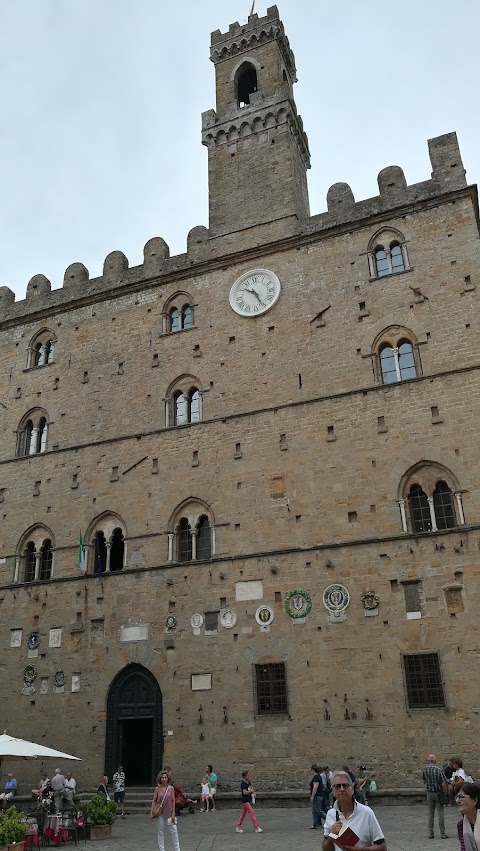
pixel 341 785
pixel 461 797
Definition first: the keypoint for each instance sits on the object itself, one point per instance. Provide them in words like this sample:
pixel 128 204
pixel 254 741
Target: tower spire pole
pixel 251 10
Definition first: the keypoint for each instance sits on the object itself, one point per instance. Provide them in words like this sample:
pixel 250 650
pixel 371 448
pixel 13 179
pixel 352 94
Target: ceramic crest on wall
pixel 336 599
pixel 264 615
pixel 298 603
pixel 228 618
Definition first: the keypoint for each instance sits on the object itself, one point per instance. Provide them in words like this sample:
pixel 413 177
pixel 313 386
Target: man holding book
pixel 349 823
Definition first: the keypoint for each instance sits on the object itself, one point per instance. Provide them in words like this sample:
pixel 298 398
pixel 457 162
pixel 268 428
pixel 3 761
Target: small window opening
pixel 246 85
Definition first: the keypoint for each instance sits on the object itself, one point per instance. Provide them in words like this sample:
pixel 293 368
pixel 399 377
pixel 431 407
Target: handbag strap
pixel 165 795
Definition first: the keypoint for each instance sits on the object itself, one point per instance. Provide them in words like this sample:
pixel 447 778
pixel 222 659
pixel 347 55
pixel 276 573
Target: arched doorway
pixel 134 726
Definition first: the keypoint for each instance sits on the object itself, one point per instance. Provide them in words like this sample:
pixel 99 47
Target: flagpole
pixel 251 10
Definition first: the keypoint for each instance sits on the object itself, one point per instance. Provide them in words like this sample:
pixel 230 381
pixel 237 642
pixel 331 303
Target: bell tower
pixel 257 149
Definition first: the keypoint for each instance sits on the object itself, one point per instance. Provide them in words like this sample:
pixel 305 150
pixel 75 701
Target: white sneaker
pixel 239 830
pixel 258 830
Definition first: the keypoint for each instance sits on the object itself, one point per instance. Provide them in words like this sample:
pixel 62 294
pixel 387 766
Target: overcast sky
pixel 100 105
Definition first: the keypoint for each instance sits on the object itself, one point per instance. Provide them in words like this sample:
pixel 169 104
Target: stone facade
pixel 301 454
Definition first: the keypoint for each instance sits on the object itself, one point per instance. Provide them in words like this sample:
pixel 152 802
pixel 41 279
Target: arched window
pixel 204 538
pixel 174 319
pixel 397 363
pixel 32 434
pixel 433 497
pixel 395 356
pixel 184 540
pixel 406 360
pixel 107 546
pixel 178 313
pixel 46 557
pixel 192 536
pixel 41 349
pixel 100 553
pixel 183 403
pixel 419 510
pixel 41 436
pixel 194 399
pixel 187 316
pixel 443 506
pixel 381 262
pixel 396 257
pixel 116 550
pixel 387 253
pixel 30 558
pixel 34 559
pixel 24 439
pixel 246 84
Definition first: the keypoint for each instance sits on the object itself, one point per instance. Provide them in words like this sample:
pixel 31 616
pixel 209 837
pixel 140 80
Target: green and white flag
pixel 81 556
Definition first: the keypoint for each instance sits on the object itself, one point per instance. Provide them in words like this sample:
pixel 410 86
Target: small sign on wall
pixel 16 637
pixel 55 637
pixel 136 632
pixel 250 590
pixel 201 682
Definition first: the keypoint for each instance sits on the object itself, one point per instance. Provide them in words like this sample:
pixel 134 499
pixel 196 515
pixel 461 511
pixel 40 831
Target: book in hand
pixel 345 836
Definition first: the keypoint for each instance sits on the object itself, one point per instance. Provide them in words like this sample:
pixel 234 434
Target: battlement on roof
pixel 448 175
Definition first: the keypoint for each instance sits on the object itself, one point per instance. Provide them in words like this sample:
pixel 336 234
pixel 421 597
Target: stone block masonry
pixel 215 464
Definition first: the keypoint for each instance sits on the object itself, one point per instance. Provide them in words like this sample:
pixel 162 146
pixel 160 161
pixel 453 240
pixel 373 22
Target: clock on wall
pixel 255 292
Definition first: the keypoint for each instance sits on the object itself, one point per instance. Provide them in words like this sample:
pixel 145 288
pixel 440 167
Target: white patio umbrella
pixel 12 747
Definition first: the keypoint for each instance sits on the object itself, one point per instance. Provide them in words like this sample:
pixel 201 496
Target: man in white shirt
pixel 358 817
pixel 119 787
pixel 70 786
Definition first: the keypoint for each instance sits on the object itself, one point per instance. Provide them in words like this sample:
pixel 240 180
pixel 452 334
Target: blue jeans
pixel 317 811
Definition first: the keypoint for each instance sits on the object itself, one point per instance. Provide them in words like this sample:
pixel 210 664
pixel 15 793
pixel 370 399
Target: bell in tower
pixel 257 149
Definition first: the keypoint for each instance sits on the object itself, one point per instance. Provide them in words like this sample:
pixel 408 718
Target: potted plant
pixel 12 830
pixel 101 814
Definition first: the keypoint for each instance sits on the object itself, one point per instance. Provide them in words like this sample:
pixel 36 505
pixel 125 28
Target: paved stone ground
pixel 405 829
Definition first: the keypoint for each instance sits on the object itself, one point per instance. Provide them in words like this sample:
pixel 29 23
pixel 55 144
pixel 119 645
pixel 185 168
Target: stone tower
pixel 257 149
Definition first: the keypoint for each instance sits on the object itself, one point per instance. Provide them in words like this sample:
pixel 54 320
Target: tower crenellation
pixel 240 38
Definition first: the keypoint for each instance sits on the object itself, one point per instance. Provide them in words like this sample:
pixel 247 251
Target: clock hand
pixel 254 292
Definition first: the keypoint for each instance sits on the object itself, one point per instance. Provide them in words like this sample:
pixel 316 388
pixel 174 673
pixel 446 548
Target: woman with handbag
pixel 103 788
pixel 163 809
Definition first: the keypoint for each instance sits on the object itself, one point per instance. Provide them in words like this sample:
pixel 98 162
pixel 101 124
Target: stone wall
pixel 300 462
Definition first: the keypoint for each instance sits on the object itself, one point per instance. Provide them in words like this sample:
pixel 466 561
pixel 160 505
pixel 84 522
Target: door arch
pixel 134 734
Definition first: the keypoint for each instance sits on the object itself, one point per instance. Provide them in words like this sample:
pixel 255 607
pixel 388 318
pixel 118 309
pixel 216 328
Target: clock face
pixel 255 292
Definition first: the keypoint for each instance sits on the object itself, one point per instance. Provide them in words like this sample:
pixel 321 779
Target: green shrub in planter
pixel 99 810
pixel 12 827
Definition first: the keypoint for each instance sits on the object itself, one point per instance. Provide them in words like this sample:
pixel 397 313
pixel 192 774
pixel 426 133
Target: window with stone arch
pixel 178 313
pixel 246 83
pixel 192 533
pixel 32 433
pixel 106 544
pixel 396 356
pixel 35 555
pixel 41 349
pixel 387 253
pixel 184 402
pixel 430 499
